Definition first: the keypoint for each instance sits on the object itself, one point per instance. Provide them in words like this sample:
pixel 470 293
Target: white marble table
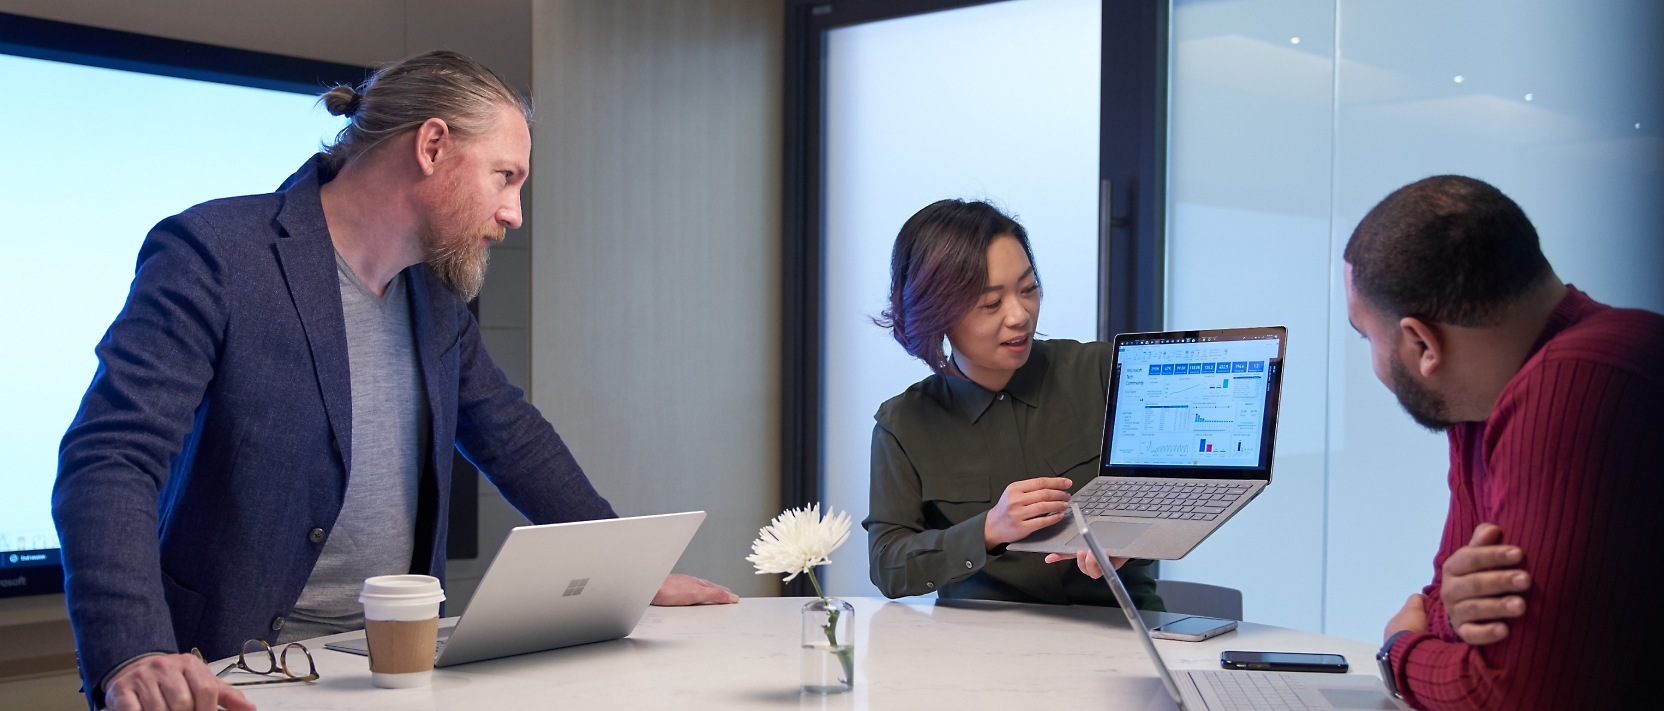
pixel 909 655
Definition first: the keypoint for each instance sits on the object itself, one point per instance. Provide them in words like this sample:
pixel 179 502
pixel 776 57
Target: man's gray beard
pixel 1426 407
pixel 459 266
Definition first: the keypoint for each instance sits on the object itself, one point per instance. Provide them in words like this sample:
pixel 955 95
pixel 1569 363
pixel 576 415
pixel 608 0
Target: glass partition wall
pixel 994 102
pixel 1289 119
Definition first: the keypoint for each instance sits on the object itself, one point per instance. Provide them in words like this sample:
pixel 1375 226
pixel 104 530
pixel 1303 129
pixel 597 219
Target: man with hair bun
pixel 275 408
pixel 1542 594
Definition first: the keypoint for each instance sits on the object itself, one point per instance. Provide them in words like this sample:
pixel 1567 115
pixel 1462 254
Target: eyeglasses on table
pixel 260 659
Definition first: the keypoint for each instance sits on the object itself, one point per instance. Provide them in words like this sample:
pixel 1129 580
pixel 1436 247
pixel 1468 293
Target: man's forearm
pixel 155 363
pixel 514 445
pixel 107 522
pixel 113 585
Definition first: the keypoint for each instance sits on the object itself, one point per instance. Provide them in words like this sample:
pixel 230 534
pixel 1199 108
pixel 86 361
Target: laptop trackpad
pixel 1113 535
pixel 1366 699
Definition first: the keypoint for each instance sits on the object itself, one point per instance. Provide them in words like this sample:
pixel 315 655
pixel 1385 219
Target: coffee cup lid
pixel 402 589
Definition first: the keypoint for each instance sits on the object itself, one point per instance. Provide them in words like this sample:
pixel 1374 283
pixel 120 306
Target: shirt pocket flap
pixel 1071 454
pixel 959 487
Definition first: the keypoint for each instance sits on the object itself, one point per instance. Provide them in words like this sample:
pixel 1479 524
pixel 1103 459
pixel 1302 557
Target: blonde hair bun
pixel 343 100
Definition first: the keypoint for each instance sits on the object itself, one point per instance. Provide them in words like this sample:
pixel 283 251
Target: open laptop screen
pixel 1200 401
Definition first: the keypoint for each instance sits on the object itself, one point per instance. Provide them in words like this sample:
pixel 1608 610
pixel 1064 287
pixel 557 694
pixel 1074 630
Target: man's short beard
pixel 452 251
pixel 1426 407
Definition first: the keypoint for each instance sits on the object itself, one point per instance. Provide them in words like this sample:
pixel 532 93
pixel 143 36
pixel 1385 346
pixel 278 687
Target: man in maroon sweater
pixel 1544 594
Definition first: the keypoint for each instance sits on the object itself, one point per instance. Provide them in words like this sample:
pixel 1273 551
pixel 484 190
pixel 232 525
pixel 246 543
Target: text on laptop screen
pixel 1192 404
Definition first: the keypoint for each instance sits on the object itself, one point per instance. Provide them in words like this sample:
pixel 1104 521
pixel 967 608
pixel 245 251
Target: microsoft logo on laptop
pixel 575 587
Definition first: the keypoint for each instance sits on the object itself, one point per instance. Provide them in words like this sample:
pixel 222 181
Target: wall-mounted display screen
pixel 94 158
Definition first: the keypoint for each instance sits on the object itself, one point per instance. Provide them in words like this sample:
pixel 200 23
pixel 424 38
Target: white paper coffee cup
pixel 401 627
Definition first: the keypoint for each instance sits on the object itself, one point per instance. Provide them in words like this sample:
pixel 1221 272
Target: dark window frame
pixel 1132 200
pixel 70 43
pixel 36 38
pixel 1132 168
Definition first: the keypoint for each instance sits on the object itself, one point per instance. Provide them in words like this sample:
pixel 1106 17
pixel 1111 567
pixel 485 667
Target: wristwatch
pixel 1384 658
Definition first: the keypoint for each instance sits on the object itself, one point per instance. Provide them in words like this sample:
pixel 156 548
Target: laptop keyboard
pixel 1190 501
pixel 1250 691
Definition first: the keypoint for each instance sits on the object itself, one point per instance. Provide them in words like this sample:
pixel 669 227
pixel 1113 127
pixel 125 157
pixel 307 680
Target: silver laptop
pixel 563 584
pixel 1223 690
pixel 1189 428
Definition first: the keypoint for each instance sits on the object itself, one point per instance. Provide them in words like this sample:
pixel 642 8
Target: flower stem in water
pixel 846 655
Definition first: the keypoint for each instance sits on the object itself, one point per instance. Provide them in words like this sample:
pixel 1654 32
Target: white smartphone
pixel 1193 629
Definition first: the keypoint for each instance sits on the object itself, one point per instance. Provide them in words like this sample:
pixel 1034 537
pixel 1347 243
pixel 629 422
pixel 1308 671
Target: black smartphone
pixel 1284 661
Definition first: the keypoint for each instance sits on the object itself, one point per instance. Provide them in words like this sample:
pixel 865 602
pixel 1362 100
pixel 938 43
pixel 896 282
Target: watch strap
pixel 1384 658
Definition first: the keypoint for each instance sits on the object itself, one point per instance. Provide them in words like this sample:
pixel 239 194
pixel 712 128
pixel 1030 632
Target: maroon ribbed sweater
pixel 1571 466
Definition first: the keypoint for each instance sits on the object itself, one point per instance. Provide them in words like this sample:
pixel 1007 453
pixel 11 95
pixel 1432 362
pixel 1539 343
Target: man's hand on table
pixel 1413 618
pixel 171 682
pixel 1479 586
pixel 1087 563
pixel 1025 507
pixel 679 590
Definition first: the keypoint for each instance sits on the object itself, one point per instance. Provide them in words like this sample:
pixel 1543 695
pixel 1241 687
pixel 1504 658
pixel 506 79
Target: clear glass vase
pixel 828 646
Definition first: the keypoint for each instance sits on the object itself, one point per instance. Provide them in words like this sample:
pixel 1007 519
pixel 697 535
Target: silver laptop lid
pixel 1194 404
pixel 562 584
pixel 1124 599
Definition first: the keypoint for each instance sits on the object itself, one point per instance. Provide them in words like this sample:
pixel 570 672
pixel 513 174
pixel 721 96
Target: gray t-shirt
pixel 376 530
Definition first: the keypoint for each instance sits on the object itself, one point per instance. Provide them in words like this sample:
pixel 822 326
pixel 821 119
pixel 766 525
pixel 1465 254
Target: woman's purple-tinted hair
pixel 938 270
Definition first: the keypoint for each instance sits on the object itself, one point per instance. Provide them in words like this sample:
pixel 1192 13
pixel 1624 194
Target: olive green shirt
pixel 943 453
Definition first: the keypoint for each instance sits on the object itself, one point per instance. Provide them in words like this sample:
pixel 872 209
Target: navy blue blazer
pixel 216 433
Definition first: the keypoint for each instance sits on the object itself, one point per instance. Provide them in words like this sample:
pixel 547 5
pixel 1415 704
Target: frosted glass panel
pixel 1249 246
pixel 1277 152
pixel 996 102
pixel 1540 98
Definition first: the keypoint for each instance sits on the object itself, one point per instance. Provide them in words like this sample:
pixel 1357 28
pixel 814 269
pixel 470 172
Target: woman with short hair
pixel 986 450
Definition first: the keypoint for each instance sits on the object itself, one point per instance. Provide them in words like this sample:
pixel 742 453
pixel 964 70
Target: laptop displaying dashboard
pixel 1194 404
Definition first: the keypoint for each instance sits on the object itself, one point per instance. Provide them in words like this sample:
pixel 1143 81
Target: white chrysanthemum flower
pixel 798 540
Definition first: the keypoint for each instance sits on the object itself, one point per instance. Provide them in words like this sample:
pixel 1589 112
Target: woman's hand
pixel 1087 563
pixel 1025 507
